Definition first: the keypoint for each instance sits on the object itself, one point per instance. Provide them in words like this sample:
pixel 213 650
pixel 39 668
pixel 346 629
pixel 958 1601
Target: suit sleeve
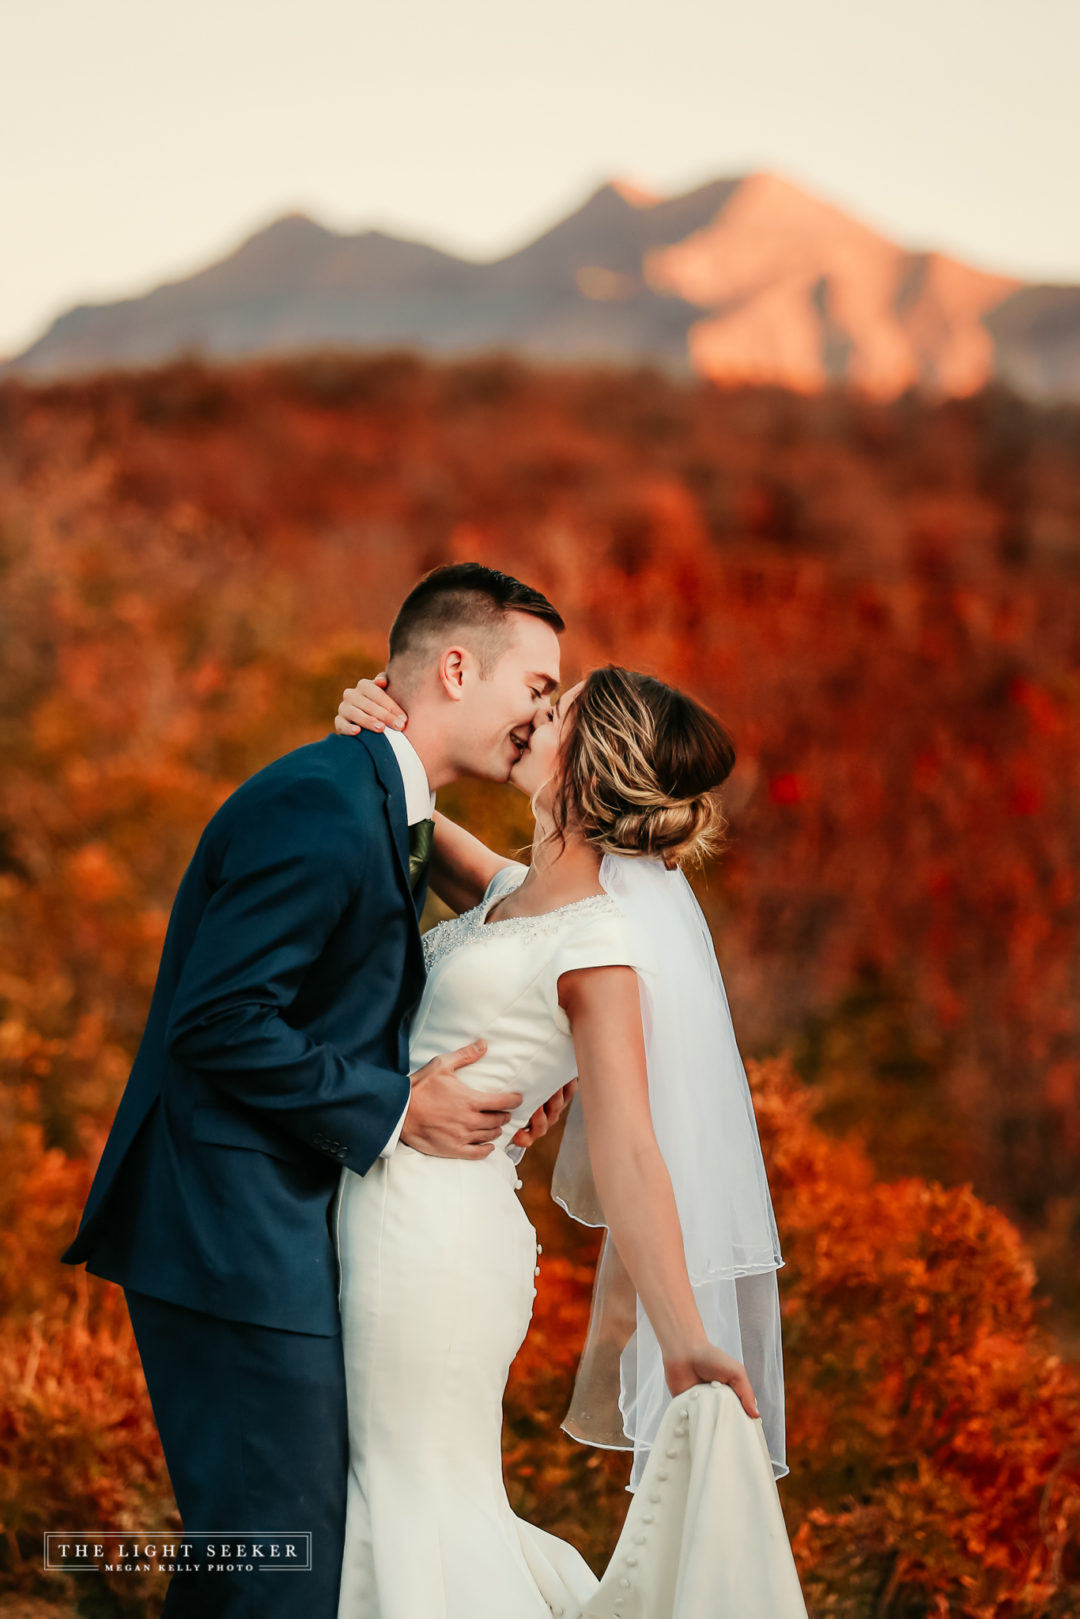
pixel 287 875
pixel 395 1137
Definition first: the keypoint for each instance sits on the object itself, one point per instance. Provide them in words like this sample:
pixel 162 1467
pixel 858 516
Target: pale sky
pixel 142 139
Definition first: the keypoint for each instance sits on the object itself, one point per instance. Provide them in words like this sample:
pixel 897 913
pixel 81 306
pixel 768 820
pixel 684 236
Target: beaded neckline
pixel 492 900
pixel 456 931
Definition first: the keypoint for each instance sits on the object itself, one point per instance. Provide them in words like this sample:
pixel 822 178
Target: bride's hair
pixel 640 765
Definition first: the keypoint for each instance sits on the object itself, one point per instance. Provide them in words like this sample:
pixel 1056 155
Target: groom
pixel 275 1052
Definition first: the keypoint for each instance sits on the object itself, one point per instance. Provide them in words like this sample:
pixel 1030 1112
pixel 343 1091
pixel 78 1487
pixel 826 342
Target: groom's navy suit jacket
pixel 276 1048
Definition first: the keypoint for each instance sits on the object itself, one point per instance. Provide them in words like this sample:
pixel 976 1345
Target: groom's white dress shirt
pixel 419 806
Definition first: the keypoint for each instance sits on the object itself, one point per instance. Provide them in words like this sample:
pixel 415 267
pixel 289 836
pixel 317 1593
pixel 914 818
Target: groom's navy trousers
pixel 275 1052
pixel 251 1422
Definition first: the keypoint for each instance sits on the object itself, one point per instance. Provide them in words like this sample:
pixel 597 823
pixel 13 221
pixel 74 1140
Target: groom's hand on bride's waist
pixel 447 1118
pixel 545 1116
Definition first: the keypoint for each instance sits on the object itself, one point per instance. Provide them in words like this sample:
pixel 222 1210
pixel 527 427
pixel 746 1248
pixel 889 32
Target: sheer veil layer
pixel 703 1116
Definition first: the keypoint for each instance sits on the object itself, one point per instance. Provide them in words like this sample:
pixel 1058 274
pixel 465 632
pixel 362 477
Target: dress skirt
pixel 438 1280
pixel 438 1262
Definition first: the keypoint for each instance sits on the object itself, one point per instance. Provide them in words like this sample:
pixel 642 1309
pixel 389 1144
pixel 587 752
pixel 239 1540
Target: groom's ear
pixel 452 668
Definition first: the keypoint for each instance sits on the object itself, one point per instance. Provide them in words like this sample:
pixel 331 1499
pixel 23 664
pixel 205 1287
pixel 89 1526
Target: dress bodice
pixel 499 980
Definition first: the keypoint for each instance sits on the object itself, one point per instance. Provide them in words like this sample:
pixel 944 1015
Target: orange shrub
pixel 932 1431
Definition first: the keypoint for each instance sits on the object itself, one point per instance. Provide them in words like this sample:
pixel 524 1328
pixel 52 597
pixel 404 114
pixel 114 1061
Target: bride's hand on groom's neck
pixel 368 706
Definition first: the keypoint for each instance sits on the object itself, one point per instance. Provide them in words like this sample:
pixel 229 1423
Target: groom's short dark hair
pixel 466 595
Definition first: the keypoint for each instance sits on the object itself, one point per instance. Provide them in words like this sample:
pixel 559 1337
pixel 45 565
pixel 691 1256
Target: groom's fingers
pixel 466 1054
pixel 536 1127
pixel 490 1114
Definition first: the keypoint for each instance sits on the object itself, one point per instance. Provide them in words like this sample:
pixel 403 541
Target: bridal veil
pixel 703 1117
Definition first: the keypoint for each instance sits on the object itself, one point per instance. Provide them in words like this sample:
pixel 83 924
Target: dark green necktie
pixel 421 838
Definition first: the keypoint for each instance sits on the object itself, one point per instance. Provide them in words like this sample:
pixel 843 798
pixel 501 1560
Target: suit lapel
pixel 386 769
pixel 389 777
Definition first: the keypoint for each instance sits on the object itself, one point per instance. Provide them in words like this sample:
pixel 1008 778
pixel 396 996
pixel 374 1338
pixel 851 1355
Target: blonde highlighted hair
pixel 639 767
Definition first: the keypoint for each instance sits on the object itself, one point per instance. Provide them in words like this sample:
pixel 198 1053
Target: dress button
pixel 518 1185
pixel 630 1561
pixel 661 1473
pixel 539 1247
pixel 624 1582
pixel 655 1496
pixel 639 1540
pixel 536 1272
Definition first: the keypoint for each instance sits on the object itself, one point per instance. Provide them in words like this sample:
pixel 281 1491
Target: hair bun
pixel 678 831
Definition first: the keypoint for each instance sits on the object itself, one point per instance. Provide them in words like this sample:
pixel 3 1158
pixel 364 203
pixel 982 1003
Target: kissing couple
pixel 309 1191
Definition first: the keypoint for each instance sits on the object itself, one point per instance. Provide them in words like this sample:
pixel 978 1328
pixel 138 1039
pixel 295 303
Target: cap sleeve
pixel 506 878
pixel 606 938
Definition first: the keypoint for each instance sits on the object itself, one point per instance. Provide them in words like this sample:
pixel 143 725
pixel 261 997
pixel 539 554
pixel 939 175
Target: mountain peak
pixel 290 227
pixel 638 196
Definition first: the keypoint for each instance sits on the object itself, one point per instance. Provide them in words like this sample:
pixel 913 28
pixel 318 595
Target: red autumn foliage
pixel 879 600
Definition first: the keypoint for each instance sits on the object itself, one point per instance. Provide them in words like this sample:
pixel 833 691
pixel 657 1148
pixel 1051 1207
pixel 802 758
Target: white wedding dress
pixel 438 1263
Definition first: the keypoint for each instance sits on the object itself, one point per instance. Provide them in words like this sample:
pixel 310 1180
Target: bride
pixel 594 960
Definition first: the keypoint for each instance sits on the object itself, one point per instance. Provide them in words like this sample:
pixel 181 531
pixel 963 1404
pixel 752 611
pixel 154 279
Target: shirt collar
pixel 419 799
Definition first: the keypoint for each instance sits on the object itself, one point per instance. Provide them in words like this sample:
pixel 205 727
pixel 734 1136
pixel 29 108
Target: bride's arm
pixel 462 866
pixel 631 1178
